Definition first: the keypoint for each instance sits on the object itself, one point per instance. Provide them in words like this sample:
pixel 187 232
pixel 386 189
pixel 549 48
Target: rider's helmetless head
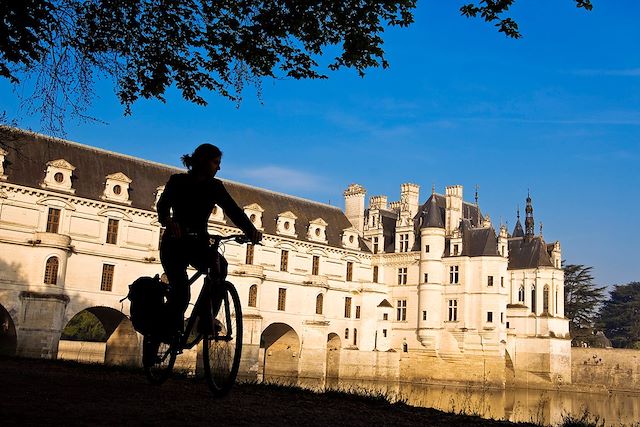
pixel 204 161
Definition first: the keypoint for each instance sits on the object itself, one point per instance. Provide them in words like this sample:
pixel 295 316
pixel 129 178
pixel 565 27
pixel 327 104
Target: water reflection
pixel 537 406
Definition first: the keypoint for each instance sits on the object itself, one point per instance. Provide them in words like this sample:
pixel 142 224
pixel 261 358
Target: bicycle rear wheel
pixel 222 348
pixel 158 359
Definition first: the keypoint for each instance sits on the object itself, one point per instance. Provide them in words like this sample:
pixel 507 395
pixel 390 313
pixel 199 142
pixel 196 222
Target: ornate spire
pixel 529 223
pixel 517 230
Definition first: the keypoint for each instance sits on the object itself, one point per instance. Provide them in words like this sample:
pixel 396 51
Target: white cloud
pixel 281 178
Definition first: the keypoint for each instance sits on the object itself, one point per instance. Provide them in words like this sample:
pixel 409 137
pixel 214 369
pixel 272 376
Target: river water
pixel 539 406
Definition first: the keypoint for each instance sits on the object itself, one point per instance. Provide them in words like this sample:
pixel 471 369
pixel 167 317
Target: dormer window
pixel 286 224
pixel 58 175
pixel 3 154
pixel 158 194
pixel 254 212
pixel 116 188
pixel 317 231
pixel 350 238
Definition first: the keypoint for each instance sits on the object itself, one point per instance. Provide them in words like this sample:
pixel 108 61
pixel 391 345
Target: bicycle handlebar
pixel 239 238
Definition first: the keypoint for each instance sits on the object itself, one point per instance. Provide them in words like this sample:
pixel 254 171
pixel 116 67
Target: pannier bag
pixel 147 308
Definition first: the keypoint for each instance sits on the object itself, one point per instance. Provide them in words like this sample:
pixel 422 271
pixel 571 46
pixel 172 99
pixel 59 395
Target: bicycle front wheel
pixel 222 348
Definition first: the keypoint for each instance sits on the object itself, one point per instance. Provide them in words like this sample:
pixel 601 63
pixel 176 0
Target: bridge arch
pixel 100 334
pixel 8 336
pixel 279 351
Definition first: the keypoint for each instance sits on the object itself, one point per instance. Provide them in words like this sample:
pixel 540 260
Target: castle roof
pixel 28 154
pixel 528 253
pixel 478 241
pixel 432 215
pixel 469 211
pixel 518 231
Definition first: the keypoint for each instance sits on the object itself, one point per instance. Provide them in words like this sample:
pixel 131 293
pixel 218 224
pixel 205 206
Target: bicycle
pixel 221 332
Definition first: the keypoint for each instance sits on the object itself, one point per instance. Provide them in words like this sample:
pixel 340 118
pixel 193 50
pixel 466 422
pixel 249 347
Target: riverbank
pixel 56 392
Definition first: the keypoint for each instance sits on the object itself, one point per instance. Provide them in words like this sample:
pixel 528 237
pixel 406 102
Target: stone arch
pixel 100 334
pixel 8 335
pixel 333 361
pixel 280 351
pixel 253 296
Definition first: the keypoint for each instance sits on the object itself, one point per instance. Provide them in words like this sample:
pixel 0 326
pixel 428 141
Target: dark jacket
pixel 191 203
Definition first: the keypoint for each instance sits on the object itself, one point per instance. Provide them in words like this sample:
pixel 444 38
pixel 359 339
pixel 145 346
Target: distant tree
pixel 145 47
pixel 582 299
pixel 620 316
pixel 84 326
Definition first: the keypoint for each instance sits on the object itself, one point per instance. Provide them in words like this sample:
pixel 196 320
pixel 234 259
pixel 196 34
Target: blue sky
pixel 556 112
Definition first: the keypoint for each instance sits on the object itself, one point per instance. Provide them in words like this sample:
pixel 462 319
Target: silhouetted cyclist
pixel 184 208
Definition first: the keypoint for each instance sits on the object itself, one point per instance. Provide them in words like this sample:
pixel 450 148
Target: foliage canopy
pixel 145 47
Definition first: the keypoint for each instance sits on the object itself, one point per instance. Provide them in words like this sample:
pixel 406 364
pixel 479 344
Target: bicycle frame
pixel 202 306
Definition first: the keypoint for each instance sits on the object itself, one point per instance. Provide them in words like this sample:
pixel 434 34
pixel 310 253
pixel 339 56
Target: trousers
pixel 176 255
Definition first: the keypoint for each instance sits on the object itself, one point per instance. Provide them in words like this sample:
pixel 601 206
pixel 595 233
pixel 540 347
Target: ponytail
pixel 187 161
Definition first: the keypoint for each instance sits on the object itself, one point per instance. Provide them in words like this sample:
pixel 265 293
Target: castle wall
pixel 610 368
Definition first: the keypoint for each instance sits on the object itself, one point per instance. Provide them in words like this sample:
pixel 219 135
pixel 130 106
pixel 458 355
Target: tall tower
pixel 430 288
pixel 528 222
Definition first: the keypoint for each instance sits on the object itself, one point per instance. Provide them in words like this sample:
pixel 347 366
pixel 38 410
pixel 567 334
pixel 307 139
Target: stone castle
pixel 410 290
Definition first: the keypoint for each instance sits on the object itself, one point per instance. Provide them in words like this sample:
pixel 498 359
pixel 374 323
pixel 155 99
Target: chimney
pixel 410 197
pixel 354 206
pixel 378 202
pixel 453 197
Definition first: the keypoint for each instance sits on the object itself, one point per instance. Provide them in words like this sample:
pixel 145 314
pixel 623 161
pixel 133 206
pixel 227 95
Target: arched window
pixel 253 296
pixel 545 299
pixel 346 334
pixel 533 299
pixel 51 271
pixel 355 336
pixel 521 294
pixel 319 301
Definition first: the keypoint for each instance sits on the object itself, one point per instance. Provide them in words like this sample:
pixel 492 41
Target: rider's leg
pixel 217 266
pixel 174 258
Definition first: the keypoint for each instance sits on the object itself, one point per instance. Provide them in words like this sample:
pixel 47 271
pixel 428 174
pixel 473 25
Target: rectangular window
pixel 502 281
pixel 489 316
pixel 106 284
pixel 112 231
pixel 282 299
pixel 402 276
pixel 284 261
pixel 315 267
pixel 401 310
pixel 375 274
pixel 404 243
pixel 455 249
pixel 501 317
pixel 507 325
pixel 426 248
pixel 53 220
pixel 385 316
pixel 502 250
pixel 249 256
pixel 454 276
pixel 357 311
pixel 347 307
pixel 424 314
pixel 426 278
pixel 384 333
pixel 349 271
pixel 489 280
pixel 375 245
pixel 453 310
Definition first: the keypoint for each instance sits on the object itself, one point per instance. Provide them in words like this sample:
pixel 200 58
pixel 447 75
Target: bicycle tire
pixel 221 354
pixel 163 358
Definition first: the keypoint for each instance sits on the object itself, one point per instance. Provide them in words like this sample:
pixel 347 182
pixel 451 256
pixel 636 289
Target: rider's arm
pixel 166 201
pixel 233 211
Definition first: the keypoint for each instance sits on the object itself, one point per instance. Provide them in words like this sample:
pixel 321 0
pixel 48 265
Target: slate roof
pixel 432 216
pixel 478 241
pixel 469 211
pixel 518 231
pixel 29 152
pixel 528 253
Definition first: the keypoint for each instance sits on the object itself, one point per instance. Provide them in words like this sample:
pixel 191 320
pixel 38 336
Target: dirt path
pixel 55 393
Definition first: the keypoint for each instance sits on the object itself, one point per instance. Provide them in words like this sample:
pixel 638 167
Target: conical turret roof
pixel 432 217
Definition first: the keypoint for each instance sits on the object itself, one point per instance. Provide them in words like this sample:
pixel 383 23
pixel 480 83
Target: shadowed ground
pixel 53 392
